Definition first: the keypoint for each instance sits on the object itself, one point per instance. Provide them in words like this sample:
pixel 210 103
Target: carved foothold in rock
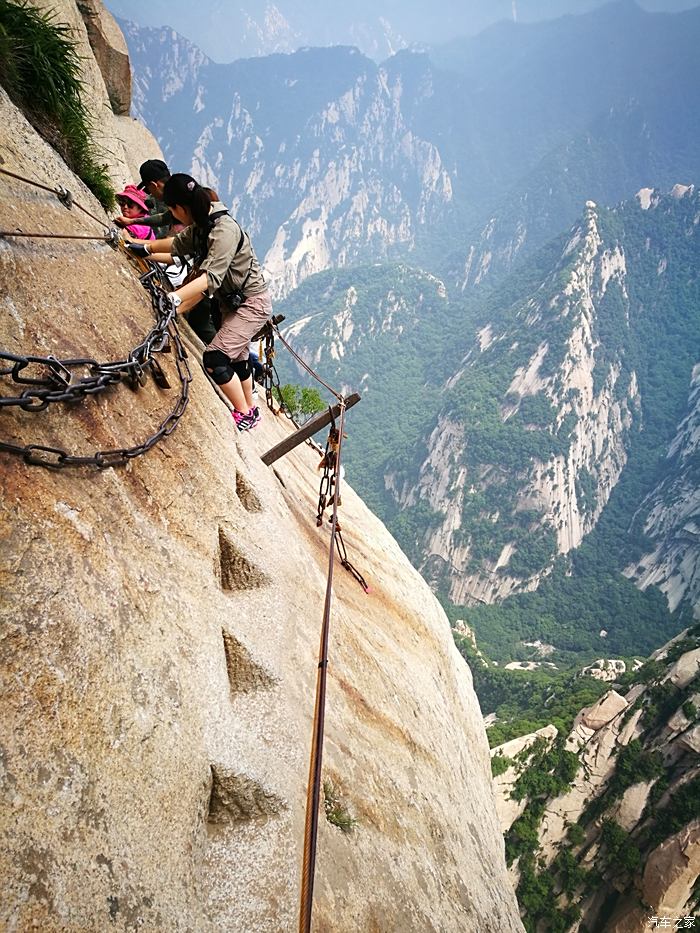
pixel 236 797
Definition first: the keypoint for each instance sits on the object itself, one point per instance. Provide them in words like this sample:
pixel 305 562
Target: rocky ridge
pixel 553 395
pixel 619 837
pixel 589 406
pixel 160 652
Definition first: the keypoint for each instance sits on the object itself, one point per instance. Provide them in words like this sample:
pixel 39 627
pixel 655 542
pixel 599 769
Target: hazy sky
pixel 227 30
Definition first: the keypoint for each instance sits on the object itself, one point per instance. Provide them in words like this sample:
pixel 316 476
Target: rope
pixel 316 758
pixel 54 236
pixel 306 366
pixel 61 193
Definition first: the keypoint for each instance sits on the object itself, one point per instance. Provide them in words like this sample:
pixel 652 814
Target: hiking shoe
pixel 244 422
pixel 254 413
pixel 239 419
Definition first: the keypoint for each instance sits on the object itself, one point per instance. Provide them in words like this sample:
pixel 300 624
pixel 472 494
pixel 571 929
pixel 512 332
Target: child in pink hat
pixel 133 205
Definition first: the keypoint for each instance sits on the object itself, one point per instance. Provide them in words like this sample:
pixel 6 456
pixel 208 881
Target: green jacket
pixel 228 268
pixel 160 218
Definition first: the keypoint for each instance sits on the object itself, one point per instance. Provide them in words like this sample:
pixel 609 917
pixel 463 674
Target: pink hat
pixel 132 193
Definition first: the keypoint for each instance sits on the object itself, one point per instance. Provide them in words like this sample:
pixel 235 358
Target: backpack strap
pixel 204 236
pixel 213 218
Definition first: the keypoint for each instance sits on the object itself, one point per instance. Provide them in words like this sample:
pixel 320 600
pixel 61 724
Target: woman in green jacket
pixel 227 269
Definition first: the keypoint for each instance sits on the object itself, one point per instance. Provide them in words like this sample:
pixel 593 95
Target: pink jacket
pixel 141 231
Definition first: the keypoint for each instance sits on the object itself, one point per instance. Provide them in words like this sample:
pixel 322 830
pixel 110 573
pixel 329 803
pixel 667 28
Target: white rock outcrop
pixel 602 712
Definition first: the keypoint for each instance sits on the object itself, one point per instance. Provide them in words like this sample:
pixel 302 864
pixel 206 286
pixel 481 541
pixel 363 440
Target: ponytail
pixel 182 190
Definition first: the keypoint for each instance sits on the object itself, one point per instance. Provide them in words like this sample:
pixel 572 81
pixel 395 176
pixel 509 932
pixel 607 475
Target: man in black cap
pixel 154 174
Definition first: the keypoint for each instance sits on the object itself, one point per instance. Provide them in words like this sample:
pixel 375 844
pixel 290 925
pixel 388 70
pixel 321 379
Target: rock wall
pixel 159 651
pixel 568 490
pixel 122 142
pixel 672 513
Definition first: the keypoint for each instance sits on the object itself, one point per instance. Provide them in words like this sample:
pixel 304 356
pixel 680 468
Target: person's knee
pixel 219 366
pixel 241 368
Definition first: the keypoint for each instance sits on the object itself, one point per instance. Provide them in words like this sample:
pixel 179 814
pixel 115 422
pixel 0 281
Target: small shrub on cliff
pixel 40 70
pixel 682 808
pixel 523 836
pixel 300 400
pixel 620 852
pixel 499 764
pixel 549 773
pixel 336 811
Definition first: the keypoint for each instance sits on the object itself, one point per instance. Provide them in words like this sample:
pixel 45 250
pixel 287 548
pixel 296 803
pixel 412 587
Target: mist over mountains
pixel 228 31
pixel 473 154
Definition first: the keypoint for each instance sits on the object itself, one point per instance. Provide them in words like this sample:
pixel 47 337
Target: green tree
pixel 300 400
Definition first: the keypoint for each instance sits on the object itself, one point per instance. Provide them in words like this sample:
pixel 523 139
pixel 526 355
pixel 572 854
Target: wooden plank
pixel 317 423
pixel 277 319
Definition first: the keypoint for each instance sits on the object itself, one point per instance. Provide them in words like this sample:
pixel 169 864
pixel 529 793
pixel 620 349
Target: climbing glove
pixel 138 249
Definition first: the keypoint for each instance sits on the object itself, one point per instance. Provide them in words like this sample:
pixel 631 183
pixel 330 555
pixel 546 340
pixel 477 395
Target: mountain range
pixel 226 32
pixel 466 158
pixel 496 241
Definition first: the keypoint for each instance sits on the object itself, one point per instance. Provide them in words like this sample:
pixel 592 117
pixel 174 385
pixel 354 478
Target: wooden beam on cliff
pixel 317 423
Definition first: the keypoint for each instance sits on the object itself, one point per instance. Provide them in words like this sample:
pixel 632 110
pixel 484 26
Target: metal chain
pixel 327 497
pixel 351 568
pixel 271 377
pixel 328 478
pixel 60 384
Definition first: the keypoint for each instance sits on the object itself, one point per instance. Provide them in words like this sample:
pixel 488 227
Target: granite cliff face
pixel 159 651
pixel 671 516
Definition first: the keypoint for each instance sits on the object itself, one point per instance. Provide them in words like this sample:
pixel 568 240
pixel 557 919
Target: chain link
pixel 326 499
pixel 60 381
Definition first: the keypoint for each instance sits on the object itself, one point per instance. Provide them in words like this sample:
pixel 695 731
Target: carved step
pixel 238 797
pixel 247 495
pixel 237 572
pixel 244 673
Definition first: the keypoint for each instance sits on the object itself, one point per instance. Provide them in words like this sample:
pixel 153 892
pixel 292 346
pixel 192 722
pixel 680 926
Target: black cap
pixel 153 170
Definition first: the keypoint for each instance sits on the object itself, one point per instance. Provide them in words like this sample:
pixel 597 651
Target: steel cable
pixel 61 193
